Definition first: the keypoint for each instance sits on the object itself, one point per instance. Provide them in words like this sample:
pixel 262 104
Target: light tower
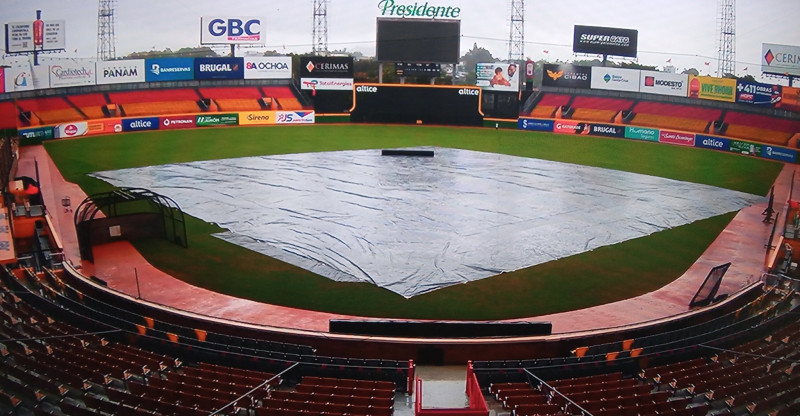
pixel 106 40
pixel 320 28
pixel 516 38
pixel 726 51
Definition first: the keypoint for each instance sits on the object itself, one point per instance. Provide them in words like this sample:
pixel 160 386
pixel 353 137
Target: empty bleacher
pixel 8 114
pixel 90 104
pixel 334 396
pixel 283 97
pixel 548 104
pixel 50 110
pixel 674 116
pixel 757 375
pixel 156 102
pixel 601 109
pixel 234 98
pixel 761 128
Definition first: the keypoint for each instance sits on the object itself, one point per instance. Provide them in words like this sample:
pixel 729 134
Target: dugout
pixel 127 214
pixel 417 104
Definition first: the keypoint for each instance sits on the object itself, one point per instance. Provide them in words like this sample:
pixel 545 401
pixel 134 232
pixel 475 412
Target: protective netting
pixel 414 224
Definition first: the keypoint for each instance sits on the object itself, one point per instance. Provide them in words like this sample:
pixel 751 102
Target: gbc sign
pixel 228 30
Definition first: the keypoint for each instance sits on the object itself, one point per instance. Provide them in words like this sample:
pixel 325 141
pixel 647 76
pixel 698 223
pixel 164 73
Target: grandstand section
pixel 598 108
pixel 50 110
pixel 674 116
pixel 760 127
pixel 155 102
pixel 8 114
pixel 234 98
pixel 549 103
pixel 89 104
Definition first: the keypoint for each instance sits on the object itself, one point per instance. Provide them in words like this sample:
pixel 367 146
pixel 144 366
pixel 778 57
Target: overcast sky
pixel 685 31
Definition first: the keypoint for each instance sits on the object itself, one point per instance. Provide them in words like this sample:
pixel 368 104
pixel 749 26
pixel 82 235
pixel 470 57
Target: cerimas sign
pixel 228 30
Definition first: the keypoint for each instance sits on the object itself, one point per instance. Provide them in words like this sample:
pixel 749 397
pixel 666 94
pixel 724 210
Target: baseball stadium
pixel 285 235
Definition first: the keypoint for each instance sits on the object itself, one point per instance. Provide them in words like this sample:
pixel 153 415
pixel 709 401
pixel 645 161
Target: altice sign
pixel 390 8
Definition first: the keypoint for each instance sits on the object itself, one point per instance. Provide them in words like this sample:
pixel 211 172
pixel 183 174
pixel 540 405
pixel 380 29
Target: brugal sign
pixel 389 8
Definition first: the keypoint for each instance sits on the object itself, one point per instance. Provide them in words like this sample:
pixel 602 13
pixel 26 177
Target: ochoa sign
pixel 230 30
pixel 390 8
pixel 267 67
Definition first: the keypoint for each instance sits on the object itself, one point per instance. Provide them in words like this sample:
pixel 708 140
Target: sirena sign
pixel 389 8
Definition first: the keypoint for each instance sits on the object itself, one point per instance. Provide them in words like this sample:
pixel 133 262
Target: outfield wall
pixel 655 135
pixel 169 122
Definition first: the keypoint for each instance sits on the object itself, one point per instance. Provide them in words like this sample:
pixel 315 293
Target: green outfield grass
pixel 604 275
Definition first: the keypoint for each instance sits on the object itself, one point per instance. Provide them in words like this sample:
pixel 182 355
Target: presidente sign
pixel 605 40
pixel 390 8
pixel 780 59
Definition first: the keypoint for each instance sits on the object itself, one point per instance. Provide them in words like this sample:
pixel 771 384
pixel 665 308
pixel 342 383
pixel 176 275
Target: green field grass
pixel 600 276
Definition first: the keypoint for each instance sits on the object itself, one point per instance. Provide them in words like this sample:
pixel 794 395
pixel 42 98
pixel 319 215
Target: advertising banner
pixel 22 36
pixel 326 67
pixel 568 127
pixel 218 120
pixel 641 133
pixel 674 137
pixel 169 69
pixel 326 73
pixel 256 117
pixel 780 59
pixel 71 129
pixel 535 124
pixel 569 76
pixel 605 40
pixel 790 99
pixel 607 130
pixel 70 74
pixel 497 76
pixel 712 142
pixel 177 122
pixel 267 67
pixel 104 126
pixel 339 84
pixel 709 88
pixel 745 148
pixel 294 117
pixel 218 68
pixel 26 78
pixel 43 133
pixel 757 93
pixel 2 80
pixel 119 72
pixel 664 83
pixel 616 79
pixel 141 123
pixel 780 153
pixel 216 30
